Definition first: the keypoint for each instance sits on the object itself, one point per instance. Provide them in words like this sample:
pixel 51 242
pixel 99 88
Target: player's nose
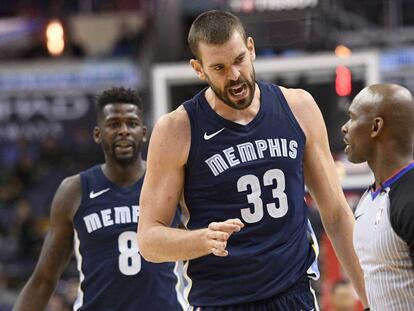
pixel 234 73
pixel 124 129
pixel 344 128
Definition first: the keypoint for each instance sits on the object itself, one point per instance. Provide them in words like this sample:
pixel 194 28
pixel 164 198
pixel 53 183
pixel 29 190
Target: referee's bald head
pixel 391 108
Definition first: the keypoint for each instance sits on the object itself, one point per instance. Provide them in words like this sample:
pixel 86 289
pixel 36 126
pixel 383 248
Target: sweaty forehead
pixel 115 109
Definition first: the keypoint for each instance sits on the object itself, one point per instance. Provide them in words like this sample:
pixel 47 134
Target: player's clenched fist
pixel 218 233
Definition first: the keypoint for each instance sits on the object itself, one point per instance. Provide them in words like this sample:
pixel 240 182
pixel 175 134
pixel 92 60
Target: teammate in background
pixel 380 131
pixel 237 155
pixel 96 213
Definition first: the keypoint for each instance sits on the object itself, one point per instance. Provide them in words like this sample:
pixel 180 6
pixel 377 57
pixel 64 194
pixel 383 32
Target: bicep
pixel 164 179
pixel 320 172
pixel 319 168
pixel 58 244
pixel 56 250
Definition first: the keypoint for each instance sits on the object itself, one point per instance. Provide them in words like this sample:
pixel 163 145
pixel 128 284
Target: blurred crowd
pixel 31 172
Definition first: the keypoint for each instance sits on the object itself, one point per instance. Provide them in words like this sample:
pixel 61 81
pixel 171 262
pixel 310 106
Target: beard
pixel 123 160
pixel 223 94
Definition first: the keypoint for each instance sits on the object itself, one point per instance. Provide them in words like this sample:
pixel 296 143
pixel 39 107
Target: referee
pixel 380 131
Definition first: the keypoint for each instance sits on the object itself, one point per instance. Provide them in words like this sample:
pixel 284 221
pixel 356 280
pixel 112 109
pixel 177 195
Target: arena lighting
pixel 270 5
pixel 247 6
pixel 343 81
pixel 55 42
pixel 342 51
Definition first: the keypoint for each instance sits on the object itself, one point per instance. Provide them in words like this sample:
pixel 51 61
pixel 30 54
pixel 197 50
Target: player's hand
pixel 219 232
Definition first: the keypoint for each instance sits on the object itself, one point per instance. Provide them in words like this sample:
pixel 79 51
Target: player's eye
pixel 239 60
pixel 133 123
pixel 113 125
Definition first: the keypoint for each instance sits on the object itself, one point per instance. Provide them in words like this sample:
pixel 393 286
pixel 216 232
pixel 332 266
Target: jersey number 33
pixel 254 197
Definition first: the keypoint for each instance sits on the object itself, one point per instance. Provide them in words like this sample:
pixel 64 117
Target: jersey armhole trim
pixel 83 194
pixel 194 143
pixel 289 112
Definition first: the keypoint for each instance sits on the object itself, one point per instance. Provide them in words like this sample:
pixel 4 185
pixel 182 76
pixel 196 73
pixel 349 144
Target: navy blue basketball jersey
pixel 253 172
pixel 113 275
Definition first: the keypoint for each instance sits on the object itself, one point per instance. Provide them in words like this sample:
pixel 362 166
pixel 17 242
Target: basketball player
pixel 380 131
pixel 96 213
pixel 237 154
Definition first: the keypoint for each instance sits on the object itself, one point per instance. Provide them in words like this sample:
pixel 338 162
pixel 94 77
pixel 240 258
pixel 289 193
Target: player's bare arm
pixel 161 192
pixel 319 166
pixel 56 250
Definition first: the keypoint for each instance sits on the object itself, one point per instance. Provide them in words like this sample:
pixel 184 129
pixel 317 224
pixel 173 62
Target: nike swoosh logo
pixel 93 195
pixel 207 136
pixel 357 216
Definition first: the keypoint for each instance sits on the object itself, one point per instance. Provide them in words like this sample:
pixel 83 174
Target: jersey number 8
pixel 129 258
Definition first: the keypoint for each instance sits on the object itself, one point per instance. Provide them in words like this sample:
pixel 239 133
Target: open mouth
pixel 124 149
pixel 346 141
pixel 238 91
pixel 346 144
pixel 123 145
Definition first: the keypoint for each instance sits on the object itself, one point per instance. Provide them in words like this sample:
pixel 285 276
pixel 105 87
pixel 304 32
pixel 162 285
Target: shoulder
pixel 402 206
pixel 70 185
pixel 173 132
pixel 173 121
pixel 401 192
pixel 68 196
pixel 299 100
pixel 303 107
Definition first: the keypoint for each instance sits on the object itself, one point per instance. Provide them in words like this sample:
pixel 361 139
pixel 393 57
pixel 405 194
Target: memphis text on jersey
pixel 111 216
pixel 252 151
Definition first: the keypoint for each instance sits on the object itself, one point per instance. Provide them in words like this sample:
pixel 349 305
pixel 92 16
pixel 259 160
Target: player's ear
pixel 97 135
pixel 250 47
pixel 198 68
pixel 144 134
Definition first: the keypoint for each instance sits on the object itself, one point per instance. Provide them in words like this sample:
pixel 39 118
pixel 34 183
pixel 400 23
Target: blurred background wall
pixel 56 55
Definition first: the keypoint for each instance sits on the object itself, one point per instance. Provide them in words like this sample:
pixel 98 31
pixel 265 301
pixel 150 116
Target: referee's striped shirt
pixel 384 242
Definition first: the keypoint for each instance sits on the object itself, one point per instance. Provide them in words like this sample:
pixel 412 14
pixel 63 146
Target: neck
pixel 124 175
pixel 243 116
pixel 386 163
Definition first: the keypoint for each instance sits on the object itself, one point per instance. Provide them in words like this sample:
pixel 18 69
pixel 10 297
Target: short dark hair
pixel 213 27
pixel 118 95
